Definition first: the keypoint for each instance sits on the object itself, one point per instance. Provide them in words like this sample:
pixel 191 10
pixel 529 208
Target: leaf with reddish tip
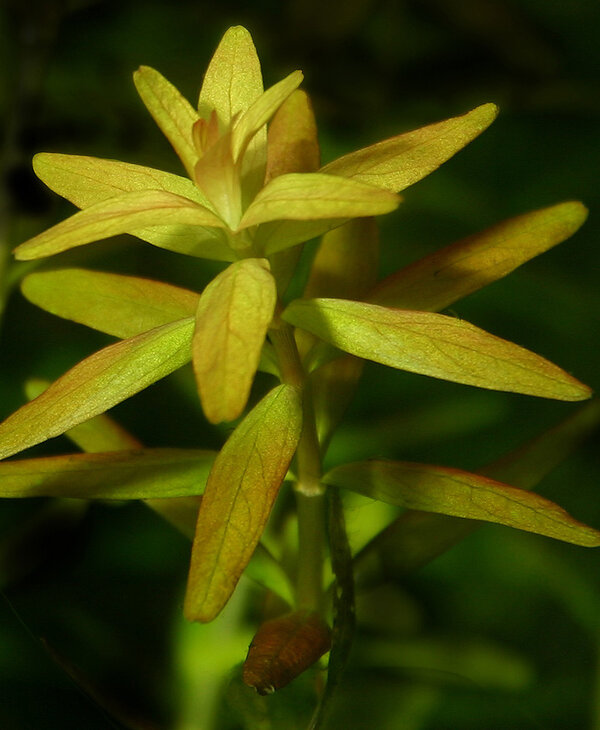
pixel 462 494
pixel 283 648
pixel 293 145
pixel 311 196
pixel 232 83
pixel 238 498
pixel 123 306
pixel 435 345
pixel 113 216
pixel 98 383
pixel 396 163
pixel 233 315
pixel 139 474
pixel 438 280
pixel 257 115
pixel 174 115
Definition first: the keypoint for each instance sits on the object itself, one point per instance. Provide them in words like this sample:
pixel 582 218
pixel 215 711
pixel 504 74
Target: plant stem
pixel 310 494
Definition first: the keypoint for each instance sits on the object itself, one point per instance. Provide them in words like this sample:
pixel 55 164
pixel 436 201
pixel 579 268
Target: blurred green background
pixel 503 631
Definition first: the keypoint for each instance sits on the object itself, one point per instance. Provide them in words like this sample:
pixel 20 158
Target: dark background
pixel 103 588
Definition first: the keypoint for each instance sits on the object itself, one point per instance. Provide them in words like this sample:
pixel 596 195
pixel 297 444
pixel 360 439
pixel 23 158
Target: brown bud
pixel 283 648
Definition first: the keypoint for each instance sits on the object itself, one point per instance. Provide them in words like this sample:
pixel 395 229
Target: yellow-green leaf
pixel 462 494
pixel 396 163
pixel 174 115
pixel 88 180
pixel 139 474
pixel 280 235
pixel 232 83
pixel 123 306
pixel 233 79
pixel 234 313
pixel 435 345
pixel 415 538
pixel 436 281
pixel 113 216
pixel 257 115
pixel 238 498
pixel 98 383
pixel 316 196
pixel 293 145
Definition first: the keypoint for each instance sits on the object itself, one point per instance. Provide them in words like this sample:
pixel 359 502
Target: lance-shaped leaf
pixel 261 111
pixel 123 306
pixel 293 146
pixel 140 474
pixel 232 83
pixel 435 345
pixel 174 115
pixel 89 180
pixel 316 196
pixel 234 313
pixel 415 538
pixel 438 280
pixel 98 383
pixel 396 163
pixel 240 492
pixel 462 494
pixel 117 215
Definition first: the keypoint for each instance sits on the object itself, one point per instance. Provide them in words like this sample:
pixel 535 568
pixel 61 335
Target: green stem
pixel 310 494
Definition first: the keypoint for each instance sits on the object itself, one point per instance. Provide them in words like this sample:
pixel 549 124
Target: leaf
pixel 283 648
pixel 293 145
pixel 257 115
pixel 123 306
pixel 232 83
pixel 415 538
pixel 438 280
pixel 98 383
pixel 240 492
pixel 435 345
pixel 89 180
pixel 174 115
pixel 120 214
pixel 281 235
pixel 400 161
pixel 139 474
pixel 234 313
pixel 462 494
pixel 315 196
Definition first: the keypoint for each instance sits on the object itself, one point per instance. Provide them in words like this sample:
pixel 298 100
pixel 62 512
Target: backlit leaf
pixel 415 538
pixel 438 280
pixel 174 115
pixel 257 115
pixel 396 163
pixel 314 195
pixel 234 313
pixel 232 83
pixel 139 474
pixel 462 494
pixel 88 180
pixel 240 492
pixel 123 306
pixel 280 235
pixel 292 136
pixel 435 345
pixel 98 383
pixel 117 215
